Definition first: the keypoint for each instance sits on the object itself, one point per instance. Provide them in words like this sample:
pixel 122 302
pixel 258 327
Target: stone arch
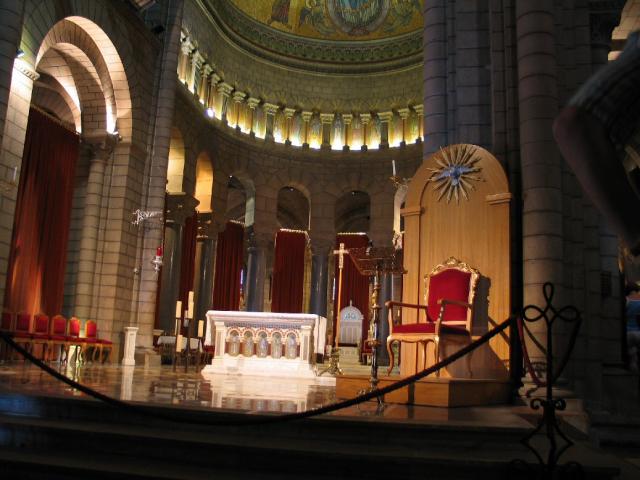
pixel 241 198
pixel 293 208
pixel 176 164
pixel 352 212
pixel 204 182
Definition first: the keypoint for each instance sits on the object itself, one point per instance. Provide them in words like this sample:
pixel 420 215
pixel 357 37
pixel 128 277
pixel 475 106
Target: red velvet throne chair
pixel 446 316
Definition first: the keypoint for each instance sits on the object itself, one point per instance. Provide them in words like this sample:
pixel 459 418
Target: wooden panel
pixel 475 231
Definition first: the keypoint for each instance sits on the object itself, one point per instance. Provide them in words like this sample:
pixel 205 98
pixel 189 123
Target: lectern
pixel 374 262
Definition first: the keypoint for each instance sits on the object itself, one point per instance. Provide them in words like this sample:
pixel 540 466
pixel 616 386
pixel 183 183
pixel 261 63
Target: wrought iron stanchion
pixel 549 467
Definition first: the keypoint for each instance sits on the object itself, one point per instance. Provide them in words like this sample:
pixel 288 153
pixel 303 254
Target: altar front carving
pixel 264 343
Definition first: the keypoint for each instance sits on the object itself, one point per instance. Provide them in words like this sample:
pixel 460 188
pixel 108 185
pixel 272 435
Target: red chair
pixel 100 343
pixel 58 335
pixel 90 338
pixel 22 331
pixel 73 339
pixel 6 326
pixel 40 334
pixel 450 292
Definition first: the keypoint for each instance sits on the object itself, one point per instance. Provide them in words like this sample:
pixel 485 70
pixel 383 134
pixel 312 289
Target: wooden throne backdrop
pixel 474 230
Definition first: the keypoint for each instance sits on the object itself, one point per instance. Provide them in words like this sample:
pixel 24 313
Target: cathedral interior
pixel 220 154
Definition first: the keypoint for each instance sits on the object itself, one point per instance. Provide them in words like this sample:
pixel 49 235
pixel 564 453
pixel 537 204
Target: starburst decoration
pixel 457 168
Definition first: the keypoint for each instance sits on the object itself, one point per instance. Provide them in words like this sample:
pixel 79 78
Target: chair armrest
pixel 446 301
pixel 391 304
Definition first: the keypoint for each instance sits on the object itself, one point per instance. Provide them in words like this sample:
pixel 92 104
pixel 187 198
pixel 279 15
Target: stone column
pixel 238 100
pixel 196 64
pixel 419 109
pixel 179 207
pixel 541 172
pixel 306 118
pixel 224 89
pixel 347 118
pixel 404 114
pixel 270 111
pixel 204 89
pixel 259 244
pixel 365 118
pixel 385 118
pixel 288 115
pixel 252 103
pixel 98 150
pixel 327 123
pixel 319 276
pixel 205 259
pixel 129 358
pixel 214 80
pixel 184 62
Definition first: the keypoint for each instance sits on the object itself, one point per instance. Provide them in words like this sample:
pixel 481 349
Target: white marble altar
pixel 264 343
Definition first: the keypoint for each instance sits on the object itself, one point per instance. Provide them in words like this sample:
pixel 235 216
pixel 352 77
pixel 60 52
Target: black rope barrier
pixel 267 419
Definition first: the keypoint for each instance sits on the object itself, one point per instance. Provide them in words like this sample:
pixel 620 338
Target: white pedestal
pixel 129 346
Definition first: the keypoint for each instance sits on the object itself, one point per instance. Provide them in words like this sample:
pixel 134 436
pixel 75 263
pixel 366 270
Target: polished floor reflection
pixel 193 390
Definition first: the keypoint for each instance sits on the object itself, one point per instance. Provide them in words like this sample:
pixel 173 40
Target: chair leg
pixel 390 352
pixel 436 353
pixel 468 355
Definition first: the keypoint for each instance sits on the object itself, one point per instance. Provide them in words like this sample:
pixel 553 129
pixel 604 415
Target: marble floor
pixel 193 390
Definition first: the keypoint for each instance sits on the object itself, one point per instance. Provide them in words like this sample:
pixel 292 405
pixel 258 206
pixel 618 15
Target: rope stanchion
pixel 267 419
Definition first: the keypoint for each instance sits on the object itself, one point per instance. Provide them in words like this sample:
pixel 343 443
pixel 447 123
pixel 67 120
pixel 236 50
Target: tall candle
pixel 190 297
pixel 200 328
pixel 393 167
pixel 159 251
pixel 179 343
pixel 178 309
pixel 190 310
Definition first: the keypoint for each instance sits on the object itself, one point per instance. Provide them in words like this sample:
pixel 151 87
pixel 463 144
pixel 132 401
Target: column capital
pixel 197 59
pixel 347 118
pixel 289 112
pixel 404 113
pixel 321 244
pixel 326 117
pixel 225 89
pixel 385 116
pixel 206 70
pixel 253 102
pixel 215 79
pixel 419 109
pixel 306 115
pixel 239 97
pixel 207 227
pixel 187 45
pixel 270 108
pixel 99 147
pixel 262 240
pixel 365 118
pixel 180 206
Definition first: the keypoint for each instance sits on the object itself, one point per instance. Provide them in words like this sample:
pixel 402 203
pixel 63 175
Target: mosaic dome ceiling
pixel 337 19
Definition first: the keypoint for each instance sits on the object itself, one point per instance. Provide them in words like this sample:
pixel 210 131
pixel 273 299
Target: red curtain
pixel 35 276
pixel 288 272
pixel 188 260
pixel 355 287
pixel 229 258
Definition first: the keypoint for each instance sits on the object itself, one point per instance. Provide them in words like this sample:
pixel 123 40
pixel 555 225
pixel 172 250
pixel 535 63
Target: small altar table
pixel 264 343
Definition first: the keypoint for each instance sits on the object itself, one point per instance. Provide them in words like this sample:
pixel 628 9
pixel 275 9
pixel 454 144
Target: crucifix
pixel 334 365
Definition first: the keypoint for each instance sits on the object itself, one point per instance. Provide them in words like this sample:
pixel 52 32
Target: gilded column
pixel 224 89
pixel 184 62
pixel 197 61
pixel 348 119
pixel 214 80
pixel 306 118
pixel 204 88
pixel 270 111
pixel 288 115
pixel 238 100
pixel 419 109
pixel 253 104
pixel 385 118
pixel 365 119
pixel 404 114
pixel 99 151
pixel 327 123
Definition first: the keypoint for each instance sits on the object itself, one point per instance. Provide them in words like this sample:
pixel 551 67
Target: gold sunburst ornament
pixel 457 168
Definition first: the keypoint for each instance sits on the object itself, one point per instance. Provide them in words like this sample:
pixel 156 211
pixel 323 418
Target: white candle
pixel 179 343
pixel 190 297
pixel 190 311
pixel 200 328
pixel 178 309
pixel 393 166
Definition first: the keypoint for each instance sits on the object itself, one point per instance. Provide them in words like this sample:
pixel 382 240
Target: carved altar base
pixel 264 343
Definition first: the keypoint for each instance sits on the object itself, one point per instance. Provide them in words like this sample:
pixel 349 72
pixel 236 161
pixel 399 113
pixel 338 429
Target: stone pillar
pixel 288 116
pixel 204 89
pixel 419 109
pixel 365 118
pixel 306 118
pixel 348 119
pixel 184 62
pixel 224 89
pixel 385 118
pixel 196 64
pixel 319 276
pixel 205 260
pixel 179 207
pixel 98 150
pixel 252 103
pixel 129 358
pixel 238 100
pixel 404 114
pixel 327 123
pixel 270 111
pixel 541 172
pixel 257 270
pixel 214 80
pixel 434 39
